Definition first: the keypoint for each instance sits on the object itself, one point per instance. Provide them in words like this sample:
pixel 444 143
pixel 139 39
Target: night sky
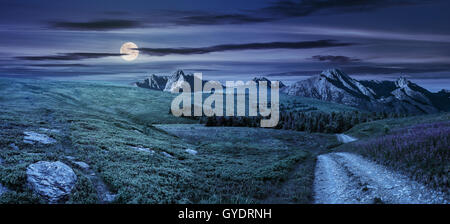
pixel 227 40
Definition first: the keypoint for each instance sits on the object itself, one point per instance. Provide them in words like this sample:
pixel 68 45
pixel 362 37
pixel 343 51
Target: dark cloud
pixel 276 11
pixel 334 59
pixel 285 9
pixel 57 65
pixel 369 70
pixel 67 56
pixel 239 47
pixel 97 25
pixel 208 19
pixel 309 7
pixel 408 69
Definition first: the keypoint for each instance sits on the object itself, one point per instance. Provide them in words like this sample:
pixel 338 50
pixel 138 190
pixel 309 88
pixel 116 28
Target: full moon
pixel 129 51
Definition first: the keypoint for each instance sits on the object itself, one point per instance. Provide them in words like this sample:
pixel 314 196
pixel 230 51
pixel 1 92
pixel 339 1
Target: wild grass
pixel 422 151
pixel 99 124
pixel 417 146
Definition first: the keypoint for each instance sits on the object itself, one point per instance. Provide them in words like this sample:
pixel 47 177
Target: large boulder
pixel 53 181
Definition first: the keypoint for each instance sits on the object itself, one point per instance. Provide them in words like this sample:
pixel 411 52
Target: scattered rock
pixel 143 149
pixel 1 161
pixel 82 165
pixel 167 154
pixel 70 157
pixel 51 180
pixel 191 151
pixel 33 136
pixel 14 146
pixel 109 197
pixel 28 142
pixel 3 189
pixel 50 130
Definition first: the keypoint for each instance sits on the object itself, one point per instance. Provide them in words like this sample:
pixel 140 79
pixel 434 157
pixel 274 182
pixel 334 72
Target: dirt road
pixel 345 178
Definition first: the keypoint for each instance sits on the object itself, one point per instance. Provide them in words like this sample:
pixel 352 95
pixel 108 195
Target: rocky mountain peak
pixel 401 96
pixel 178 73
pixel 334 74
pixel 153 82
pixel 262 78
pixel 402 82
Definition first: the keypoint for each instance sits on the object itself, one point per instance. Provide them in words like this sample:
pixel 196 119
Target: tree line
pixel 312 121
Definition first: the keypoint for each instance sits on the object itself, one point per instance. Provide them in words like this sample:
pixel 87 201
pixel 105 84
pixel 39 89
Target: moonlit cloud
pixel 246 46
pixel 237 40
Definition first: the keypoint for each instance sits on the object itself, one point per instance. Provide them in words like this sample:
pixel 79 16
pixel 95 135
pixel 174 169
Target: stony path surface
pixel 345 178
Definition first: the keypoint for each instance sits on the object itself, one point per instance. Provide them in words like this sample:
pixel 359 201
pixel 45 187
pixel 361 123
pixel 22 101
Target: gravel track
pixel 345 178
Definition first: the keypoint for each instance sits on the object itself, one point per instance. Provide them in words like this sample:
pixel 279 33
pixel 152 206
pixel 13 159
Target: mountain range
pixel 400 96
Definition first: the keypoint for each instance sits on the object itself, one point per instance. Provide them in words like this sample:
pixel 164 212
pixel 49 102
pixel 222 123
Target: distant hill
pixel 401 96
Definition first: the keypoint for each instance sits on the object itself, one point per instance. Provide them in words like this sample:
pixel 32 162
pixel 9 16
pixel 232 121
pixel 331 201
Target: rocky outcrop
pixel 154 82
pixel 168 83
pixel 401 96
pixel 258 79
pixel 53 181
pixel 175 81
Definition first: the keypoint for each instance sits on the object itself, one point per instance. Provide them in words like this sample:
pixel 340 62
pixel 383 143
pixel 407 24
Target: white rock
pixel 13 146
pixel 33 136
pixel 191 151
pixel 141 149
pixel 167 154
pixel 53 181
pixel 50 130
pixel 28 142
pixel 82 165
pixel 70 157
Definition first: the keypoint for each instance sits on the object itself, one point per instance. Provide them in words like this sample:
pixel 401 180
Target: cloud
pixel 275 11
pixel 309 7
pixel 239 47
pixel 408 69
pixel 208 19
pixel 287 9
pixel 97 25
pixel 68 56
pixel 334 59
pixel 58 65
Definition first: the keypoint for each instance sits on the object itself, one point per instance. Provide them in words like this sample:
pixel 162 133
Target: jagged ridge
pixel 401 96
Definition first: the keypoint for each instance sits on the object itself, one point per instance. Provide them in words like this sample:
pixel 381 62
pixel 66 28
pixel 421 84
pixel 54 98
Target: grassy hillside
pixel 380 127
pixel 102 124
